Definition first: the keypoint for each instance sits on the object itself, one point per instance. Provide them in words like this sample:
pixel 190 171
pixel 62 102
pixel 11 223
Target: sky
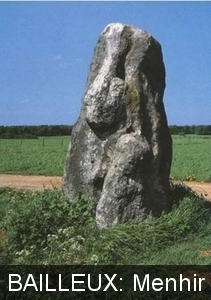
pixel 46 49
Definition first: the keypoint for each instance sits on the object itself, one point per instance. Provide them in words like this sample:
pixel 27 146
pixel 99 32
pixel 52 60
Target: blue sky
pixel 46 49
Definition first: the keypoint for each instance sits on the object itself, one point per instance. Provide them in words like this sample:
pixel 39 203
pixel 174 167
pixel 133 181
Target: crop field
pixel 45 156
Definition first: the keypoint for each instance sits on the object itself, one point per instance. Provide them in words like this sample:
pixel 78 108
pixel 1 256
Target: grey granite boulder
pixel 120 151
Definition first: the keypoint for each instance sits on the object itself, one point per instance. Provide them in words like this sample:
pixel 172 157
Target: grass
pixel 43 156
pixel 43 228
pixel 46 156
pixel 191 158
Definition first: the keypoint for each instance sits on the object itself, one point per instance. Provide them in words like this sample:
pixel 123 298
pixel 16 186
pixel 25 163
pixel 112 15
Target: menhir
pixel 120 151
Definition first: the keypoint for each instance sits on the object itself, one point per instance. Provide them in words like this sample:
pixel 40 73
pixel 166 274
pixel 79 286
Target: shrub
pixel 36 219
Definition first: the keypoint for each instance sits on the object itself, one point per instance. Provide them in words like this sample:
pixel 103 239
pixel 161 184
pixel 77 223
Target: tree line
pixel 15 132
pixel 193 129
pixel 9 132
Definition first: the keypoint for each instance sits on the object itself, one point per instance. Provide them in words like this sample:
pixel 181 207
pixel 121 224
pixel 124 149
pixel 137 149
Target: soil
pixel 201 188
pixel 46 182
pixel 30 182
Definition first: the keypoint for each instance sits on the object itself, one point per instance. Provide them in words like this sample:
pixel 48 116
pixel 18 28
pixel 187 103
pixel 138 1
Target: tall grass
pixel 43 228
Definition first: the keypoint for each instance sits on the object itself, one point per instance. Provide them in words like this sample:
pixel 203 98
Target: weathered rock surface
pixel 120 151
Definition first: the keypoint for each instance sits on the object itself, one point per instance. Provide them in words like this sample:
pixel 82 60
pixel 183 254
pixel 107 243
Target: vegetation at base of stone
pixel 24 132
pixel 43 228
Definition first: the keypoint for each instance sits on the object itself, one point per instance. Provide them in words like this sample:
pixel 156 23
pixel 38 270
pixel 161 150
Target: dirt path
pixel 30 182
pixel 41 182
pixel 202 188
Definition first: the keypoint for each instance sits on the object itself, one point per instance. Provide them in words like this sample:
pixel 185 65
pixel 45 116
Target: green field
pixel 191 158
pixel 46 156
pixel 42 156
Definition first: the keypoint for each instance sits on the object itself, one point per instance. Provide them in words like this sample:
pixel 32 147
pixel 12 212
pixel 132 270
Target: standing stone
pixel 120 151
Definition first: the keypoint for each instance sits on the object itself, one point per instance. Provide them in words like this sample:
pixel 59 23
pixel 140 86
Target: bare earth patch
pixel 30 182
pixel 201 188
pixel 46 182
